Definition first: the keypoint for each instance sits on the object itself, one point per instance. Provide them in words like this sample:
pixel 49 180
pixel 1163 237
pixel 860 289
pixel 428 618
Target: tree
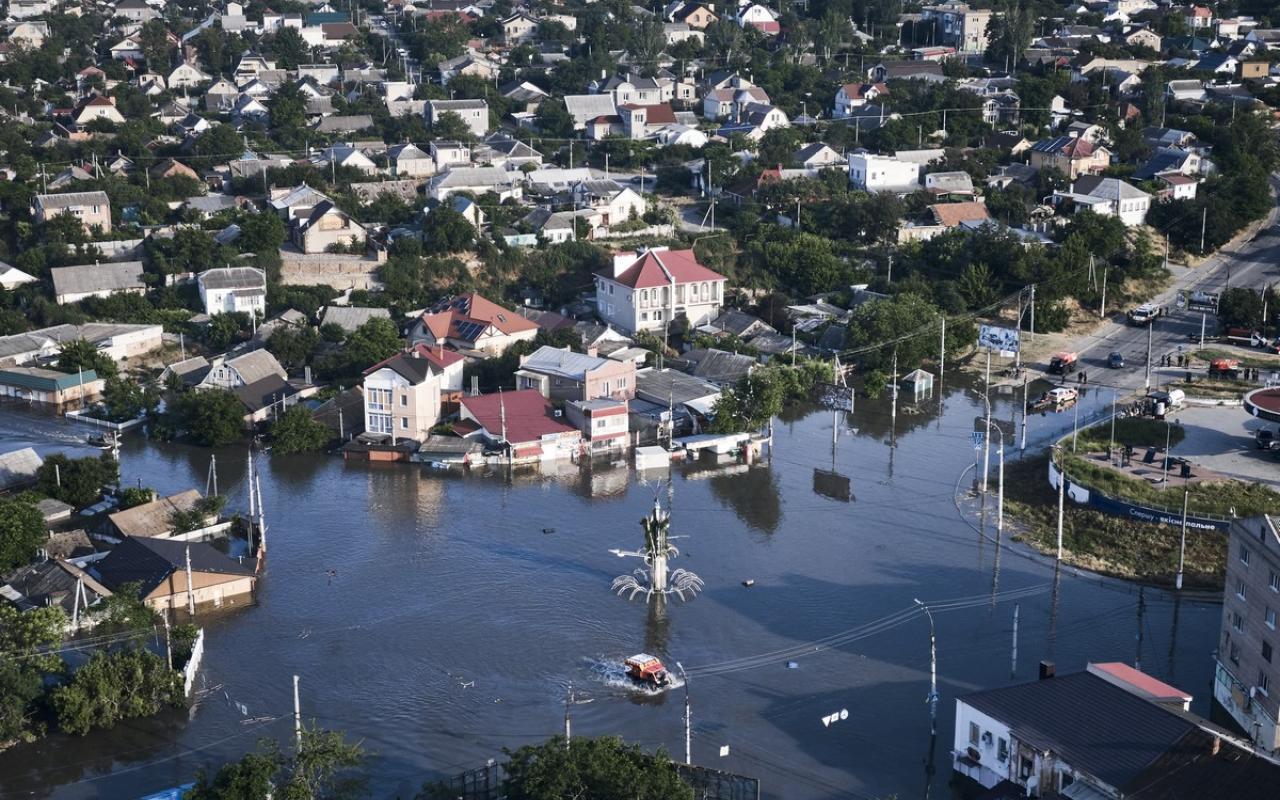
pixel 553 119
pixel 447 231
pixel 221 141
pixel 22 532
pixel 290 49
pixel 1240 308
pixel 25 639
pixel 450 125
pixel 261 233
pixel 293 347
pixel 133 496
pixel 212 418
pixel 372 342
pixel 80 354
pixel 154 40
pixel 126 399
pixel 603 768
pixel 78 482
pixel 287 106
pixel 325 767
pixel 297 431
pixel 115 686
pixel 226 328
pixel 126 612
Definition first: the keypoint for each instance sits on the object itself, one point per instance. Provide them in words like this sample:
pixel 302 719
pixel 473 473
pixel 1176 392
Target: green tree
pixel 25 638
pixel 225 328
pixel 219 141
pixel 453 127
pixel 297 431
pixel 126 612
pixel 76 481
pixel 115 686
pixel 126 399
pixel 287 106
pixel 293 347
pixel 289 49
pixel 22 532
pixel 604 768
pixel 1240 308
pixel 212 418
pixel 553 119
pixel 261 233
pixel 154 38
pixel 447 231
pixel 372 342
pixel 325 767
pixel 133 496
pixel 81 354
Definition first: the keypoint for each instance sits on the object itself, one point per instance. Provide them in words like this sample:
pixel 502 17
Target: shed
pixel 18 468
pixel 918 383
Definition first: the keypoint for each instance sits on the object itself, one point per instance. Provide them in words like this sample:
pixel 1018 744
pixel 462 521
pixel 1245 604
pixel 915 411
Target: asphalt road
pixel 1253 263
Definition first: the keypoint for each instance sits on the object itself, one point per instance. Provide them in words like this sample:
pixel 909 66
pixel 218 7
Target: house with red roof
pixel 523 424
pixel 644 291
pixel 403 395
pixel 471 323
pixel 1070 155
pixel 643 121
pixel 856 95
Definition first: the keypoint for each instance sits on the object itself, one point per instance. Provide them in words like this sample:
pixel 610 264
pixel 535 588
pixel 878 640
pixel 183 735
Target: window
pixel 404 400
pixel 1274 581
pixel 602 423
pixel 1264 683
pixel 1002 750
pixel 1240 588
pixel 1270 618
pixel 379 399
pixel 644 316
pixel 404 423
pixel 1237 621
pixel 974 733
pixel 1244 556
pixel 1266 651
pixel 657 316
pixel 380 423
pixel 1235 654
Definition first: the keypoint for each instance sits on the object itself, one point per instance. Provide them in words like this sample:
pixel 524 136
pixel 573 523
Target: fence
pixel 660 231
pixel 485 783
pixel 1088 496
pixel 193 664
pixel 118 427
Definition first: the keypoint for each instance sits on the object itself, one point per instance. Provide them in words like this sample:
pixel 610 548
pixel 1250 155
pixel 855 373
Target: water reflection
pixel 751 493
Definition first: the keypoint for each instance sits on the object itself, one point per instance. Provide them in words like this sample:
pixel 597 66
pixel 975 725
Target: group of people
pixel 1180 360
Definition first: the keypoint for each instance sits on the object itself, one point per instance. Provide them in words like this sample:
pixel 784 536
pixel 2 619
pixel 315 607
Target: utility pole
pixel 1182 546
pixel 297 715
pixel 1033 311
pixel 1204 219
pixel 1112 444
pixel 933 672
pixel 688 718
pixel 262 517
pixel 1151 326
pixel 191 596
pixel 1062 492
pixel 1102 307
pixel 942 352
pixel 168 646
pixel 1000 486
pixel 568 725
pixel 986 434
pixel 1013 660
pixel 1026 389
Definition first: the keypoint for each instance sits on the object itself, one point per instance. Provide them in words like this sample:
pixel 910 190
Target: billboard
pixel 1195 300
pixel 835 397
pixel 1006 340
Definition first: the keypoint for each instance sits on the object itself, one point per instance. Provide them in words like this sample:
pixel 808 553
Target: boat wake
pixel 611 672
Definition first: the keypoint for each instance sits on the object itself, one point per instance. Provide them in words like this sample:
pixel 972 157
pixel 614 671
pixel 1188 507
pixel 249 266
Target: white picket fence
pixel 193 664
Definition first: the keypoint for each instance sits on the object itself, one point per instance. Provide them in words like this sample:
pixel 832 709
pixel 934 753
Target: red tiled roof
pixel 858 91
pixel 657 267
pixel 656 114
pixel 952 214
pixel 448 319
pixel 527 413
pixel 1157 689
pixel 772 26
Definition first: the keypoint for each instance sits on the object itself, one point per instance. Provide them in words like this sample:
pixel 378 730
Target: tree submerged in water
pixel 654 577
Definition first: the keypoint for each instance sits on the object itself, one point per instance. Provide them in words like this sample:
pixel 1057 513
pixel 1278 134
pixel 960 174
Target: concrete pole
pixel 191 596
pixel 1182 545
pixel 986 434
pixel 297 715
pixel 1013 659
pixel 1026 389
pixel 1151 326
pixel 942 352
pixel 1000 489
pixel 933 672
pixel 568 725
pixel 1062 492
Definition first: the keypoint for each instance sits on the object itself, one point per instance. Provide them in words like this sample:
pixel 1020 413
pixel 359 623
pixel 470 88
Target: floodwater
pixel 442 618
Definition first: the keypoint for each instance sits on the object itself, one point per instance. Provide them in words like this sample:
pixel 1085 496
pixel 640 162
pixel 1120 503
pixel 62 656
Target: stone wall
pixel 340 270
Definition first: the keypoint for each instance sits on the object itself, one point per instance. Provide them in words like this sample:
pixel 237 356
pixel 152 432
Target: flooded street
pixel 441 618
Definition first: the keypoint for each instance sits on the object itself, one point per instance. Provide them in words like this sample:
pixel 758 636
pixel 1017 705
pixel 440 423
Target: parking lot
pixel 1221 439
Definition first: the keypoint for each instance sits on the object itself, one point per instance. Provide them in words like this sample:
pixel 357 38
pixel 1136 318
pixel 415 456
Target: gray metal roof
pixel 659 385
pixel 18 468
pixel 352 317
pixel 72 199
pixel 562 362
pixel 87 278
pixel 720 366
pixel 256 365
pixel 233 278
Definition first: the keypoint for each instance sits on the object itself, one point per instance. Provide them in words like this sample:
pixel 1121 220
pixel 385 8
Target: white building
pixel 475 113
pixel 873 173
pixel 645 291
pixel 1110 197
pixel 241 289
pixel 402 395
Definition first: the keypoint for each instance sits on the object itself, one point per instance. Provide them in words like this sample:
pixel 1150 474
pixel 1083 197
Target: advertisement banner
pixel 1122 508
pixel 1005 340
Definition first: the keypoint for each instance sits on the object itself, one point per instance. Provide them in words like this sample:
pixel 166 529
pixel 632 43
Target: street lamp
pixel 688 732
pixel 999 475
pixel 1182 545
pixel 1168 430
pixel 1062 491
pixel 933 671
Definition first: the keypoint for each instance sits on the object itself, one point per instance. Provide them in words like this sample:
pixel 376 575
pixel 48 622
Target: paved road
pixel 1253 261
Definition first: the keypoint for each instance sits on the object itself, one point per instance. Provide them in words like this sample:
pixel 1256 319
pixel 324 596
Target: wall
pixel 341 271
pixel 1084 495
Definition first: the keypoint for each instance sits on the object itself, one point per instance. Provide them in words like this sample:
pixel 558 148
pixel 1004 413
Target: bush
pixel 115 686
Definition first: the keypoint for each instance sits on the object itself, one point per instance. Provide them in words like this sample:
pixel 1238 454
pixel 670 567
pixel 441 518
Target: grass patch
pixel 1214 388
pixel 1105 544
pixel 1259 360
pixel 1216 498
pixel 1135 431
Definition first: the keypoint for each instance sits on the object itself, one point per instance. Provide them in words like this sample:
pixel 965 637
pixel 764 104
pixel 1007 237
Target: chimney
pixel 1047 670
pixel 621 261
pixel 593 351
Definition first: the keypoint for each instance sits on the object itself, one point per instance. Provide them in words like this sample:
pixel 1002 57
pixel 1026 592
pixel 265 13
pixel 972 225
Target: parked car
pixel 1062 362
pixel 1115 360
pixel 1265 439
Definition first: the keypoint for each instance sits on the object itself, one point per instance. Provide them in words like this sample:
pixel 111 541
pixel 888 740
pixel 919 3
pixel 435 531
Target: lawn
pixel 1136 431
pixel 1260 360
pixel 1214 388
pixel 1218 498
pixel 1105 544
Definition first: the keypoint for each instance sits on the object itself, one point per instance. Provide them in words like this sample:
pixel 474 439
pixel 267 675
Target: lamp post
pixel 1182 545
pixel 933 671
pixel 688 731
pixel 999 475
pixel 1062 491
pixel 1168 430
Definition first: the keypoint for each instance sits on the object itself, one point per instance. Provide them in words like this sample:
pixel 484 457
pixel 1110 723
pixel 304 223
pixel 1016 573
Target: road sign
pixel 977 440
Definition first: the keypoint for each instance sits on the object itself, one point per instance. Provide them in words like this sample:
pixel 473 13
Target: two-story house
pixel 403 395
pixel 604 424
pixel 93 209
pixel 324 227
pixel 1247 663
pixel 1071 156
pixel 615 203
pixel 471 322
pixel 561 374
pixel 645 291
pixel 959 25
pixel 242 289
pixel 474 113
pixel 875 173
pixel 856 95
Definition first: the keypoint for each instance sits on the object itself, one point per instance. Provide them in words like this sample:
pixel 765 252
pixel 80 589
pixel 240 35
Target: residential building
pixel 1109 197
pixel 875 173
pixel 11 277
pixel 1102 734
pixel 477 180
pixel 56 582
pixel 350 318
pixel 119 341
pixel 97 107
pixel 410 161
pixel 73 284
pixel 856 95
pixel 242 289
pixel 49 389
pixel 471 322
pixel 645 291
pixel 519 27
pixel 887 71
pixel 959 25
pixel 604 424
pixel 174 575
pixel 522 423
pixel 1198 18
pixel 949 183
pixel 728 102
pixel 187 76
pixel 243 370
pixel 474 113
pixel 155 519
pixel 561 374
pixel 615 203
pixel 720 367
pixel 1071 156
pixel 1247 675
pixel 403 395
pixel 93 209
pixel 694 14
pixel 754 15
pixel 325 227
pixel 19 469
pixel 817 156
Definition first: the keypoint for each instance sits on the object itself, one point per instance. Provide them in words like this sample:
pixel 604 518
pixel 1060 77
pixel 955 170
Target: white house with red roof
pixel 762 19
pixel 470 322
pixel 645 291
pixel 856 95
pixel 521 423
pixel 403 394
pixel 643 121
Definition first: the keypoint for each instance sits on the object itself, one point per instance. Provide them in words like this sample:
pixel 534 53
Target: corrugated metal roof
pixel 89 278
